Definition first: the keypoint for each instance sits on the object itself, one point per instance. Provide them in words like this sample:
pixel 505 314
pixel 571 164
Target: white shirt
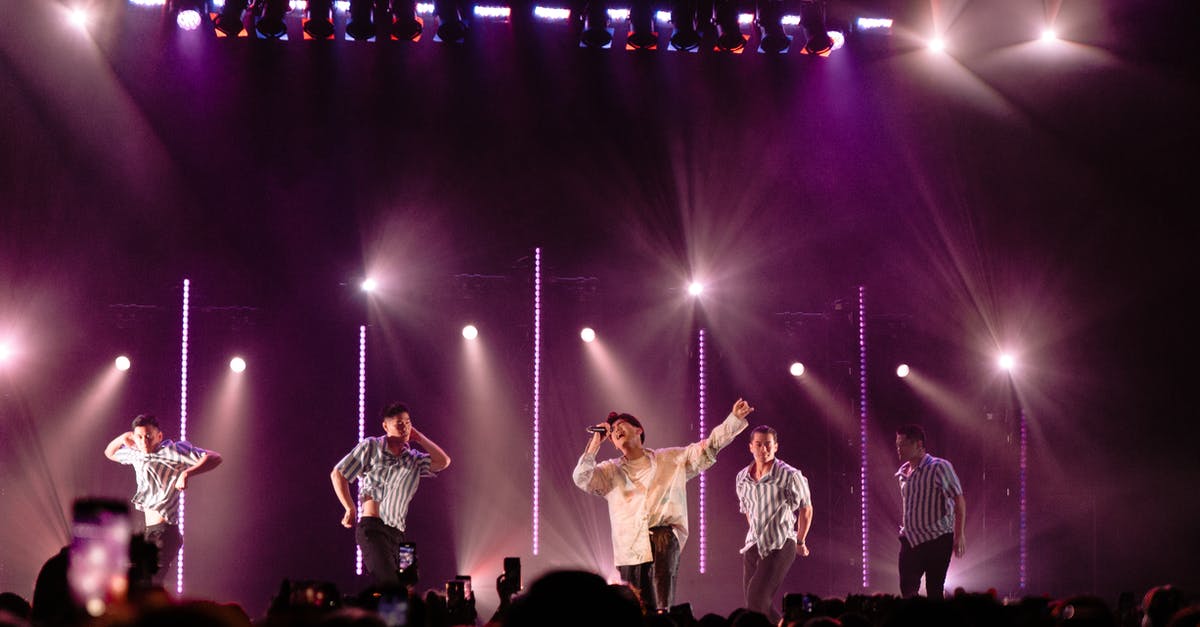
pixel 639 499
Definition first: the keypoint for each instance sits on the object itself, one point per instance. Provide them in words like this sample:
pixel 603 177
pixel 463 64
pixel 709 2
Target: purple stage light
pixel 79 18
pixel 492 12
pixel 183 389
pixel 618 15
pixel 703 483
pixel 1048 35
pixel 6 352
pixel 1006 362
pixel 188 19
pixel 797 369
pixel 937 44
pixel 551 13
pixel 237 364
pixel 588 334
pixel 537 394
pixel 470 332
pixel 902 370
pixel 362 423
pixel 862 434
pixel 122 363
pixel 695 288
pixel 1022 538
pixel 369 284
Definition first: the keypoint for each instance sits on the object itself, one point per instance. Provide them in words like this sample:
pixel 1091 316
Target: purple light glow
pixel 551 13
pixel 362 423
pixel 237 364
pixel 588 334
pixel 537 395
pixel 183 389
pixel 796 369
pixel 1023 552
pixel 902 370
pixel 1006 362
pixel 122 363
pixel 695 288
pixel 703 483
pixel 188 19
pixel 470 332
pixel 862 434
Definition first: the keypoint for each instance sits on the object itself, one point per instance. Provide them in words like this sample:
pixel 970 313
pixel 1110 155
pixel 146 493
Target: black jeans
pixel 655 580
pixel 166 538
pixel 931 559
pixel 380 546
pixel 762 577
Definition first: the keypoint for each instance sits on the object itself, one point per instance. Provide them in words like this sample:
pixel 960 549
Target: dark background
pixel 1012 194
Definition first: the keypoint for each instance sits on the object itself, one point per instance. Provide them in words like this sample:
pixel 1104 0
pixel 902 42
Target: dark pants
pixel 166 539
pixel 931 559
pixel 655 580
pixel 763 576
pixel 380 545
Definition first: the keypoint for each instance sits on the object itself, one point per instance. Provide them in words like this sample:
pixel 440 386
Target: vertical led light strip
pixel 362 423
pixel 862 435
pixel 703 484
pixel 183 365
pixel 1023 554
pixel 537 394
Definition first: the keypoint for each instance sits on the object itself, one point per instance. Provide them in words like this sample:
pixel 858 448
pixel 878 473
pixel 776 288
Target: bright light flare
pixel 695 288
pixel 1006 362
pixel 1048 35
pixel 937 44
pixel 588 334
pixel 122 363
pixel 551 13
pixel 188 19
pixel 902 370
pixel 470 332
pixel 79 18
pixel 369 285
pixel 237 364
pixel 6 352
pixel 797 369
pixel 493 11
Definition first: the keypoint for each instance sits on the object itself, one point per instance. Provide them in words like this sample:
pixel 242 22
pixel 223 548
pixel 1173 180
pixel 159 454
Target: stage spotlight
pixel 188 19
pixel 369 285
pixel 470 332
pixel 1049 35
pixel 228 23
pixel 797 369
pixel 695 288
pixel 6 352
pixel 78 17
pixel 770 22
pixel 902 370
pixel 553 14
pixel 595 32
pixel 1006 362
pixel 237 364
pixel 188 13
pixel 360 27
pixel 319 22
pixel 588 334
pixel 937 44
pixel 270 23
pixel 123 363
pixel 812 18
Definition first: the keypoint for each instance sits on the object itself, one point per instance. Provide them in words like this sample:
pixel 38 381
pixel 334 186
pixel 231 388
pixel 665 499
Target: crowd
pixel 583 599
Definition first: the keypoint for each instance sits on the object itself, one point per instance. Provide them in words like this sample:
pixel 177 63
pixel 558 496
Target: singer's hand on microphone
pixel 600 429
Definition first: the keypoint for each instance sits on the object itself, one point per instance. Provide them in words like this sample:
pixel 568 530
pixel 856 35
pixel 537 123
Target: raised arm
pixel 585 475
pixel 125 439
pixel 438 459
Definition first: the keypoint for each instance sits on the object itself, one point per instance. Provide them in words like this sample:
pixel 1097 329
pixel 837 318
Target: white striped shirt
pixel 928 494
pixel 770 504
pixel 389 480
pixel 640 497
pixel 157 473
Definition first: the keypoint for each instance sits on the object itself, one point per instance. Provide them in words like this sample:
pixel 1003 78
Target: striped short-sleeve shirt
pixel 770 505
pixel 156 474
pixel 928 492
pixel 389 480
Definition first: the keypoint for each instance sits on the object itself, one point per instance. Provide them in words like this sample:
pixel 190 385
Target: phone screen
pixel 512 572
pixel 98 571
pixel 406 555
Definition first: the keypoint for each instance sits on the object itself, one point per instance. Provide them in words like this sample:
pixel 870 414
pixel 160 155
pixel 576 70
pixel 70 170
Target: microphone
pixel 594 429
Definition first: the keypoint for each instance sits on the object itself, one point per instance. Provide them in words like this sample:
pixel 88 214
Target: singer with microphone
pixel 646 491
